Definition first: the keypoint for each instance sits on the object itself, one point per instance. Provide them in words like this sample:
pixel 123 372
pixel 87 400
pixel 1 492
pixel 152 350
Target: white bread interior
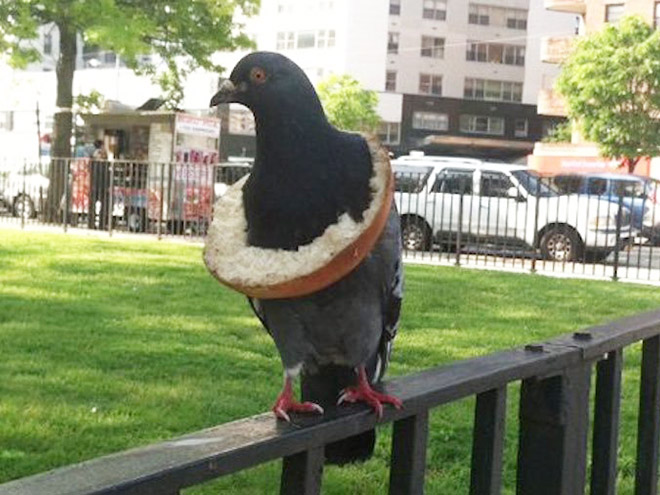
pixel 228 256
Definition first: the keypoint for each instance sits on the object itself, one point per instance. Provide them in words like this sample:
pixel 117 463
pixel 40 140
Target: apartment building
pixel 591 15
pixel 451 74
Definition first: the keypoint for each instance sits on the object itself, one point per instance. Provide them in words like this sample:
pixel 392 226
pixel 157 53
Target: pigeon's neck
pixel 289 144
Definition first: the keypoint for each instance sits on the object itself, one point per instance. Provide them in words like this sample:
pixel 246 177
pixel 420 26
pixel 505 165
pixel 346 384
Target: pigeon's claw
pixel 363 392
pixel 285 404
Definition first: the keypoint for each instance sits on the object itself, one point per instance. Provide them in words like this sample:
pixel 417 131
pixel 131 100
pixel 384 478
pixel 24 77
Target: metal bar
pixel 648 427
pixel 606 424
pixel 617 241
pixel 457 261
pixel 554 419
pixel 408 466
pixel 302 473
pixel 488 442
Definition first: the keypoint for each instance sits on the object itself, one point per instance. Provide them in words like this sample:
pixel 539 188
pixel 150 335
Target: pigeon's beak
pixel 226 93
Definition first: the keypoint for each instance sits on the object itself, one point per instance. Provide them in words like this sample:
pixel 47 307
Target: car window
pixel 410 178
pixel 495 184
pixel 597 186
pixel 630 189
pixel 454 181
pixel 568 184
pixel 535 184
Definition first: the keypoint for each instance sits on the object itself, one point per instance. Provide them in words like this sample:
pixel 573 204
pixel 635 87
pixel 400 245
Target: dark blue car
pixel 638 194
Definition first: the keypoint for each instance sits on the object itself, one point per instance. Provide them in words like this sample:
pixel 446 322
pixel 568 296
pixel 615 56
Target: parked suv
pixel 23 194
pixel 638 194
pixel 498 204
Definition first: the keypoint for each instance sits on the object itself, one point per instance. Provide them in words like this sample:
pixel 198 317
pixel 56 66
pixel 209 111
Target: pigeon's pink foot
pixel 285 403
pixel 364 393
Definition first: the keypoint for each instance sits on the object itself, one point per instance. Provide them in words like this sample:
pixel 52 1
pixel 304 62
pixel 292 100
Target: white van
pixel 501 204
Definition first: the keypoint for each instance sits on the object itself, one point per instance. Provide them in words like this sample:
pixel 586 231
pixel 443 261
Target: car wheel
pixel 415 234
pixel 561 244
pixel 23 207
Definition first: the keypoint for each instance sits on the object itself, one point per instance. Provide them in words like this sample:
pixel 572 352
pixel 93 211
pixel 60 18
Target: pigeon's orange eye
pixel 258 75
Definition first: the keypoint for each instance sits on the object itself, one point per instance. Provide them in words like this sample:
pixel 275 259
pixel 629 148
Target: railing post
pixel 606 424
pixel 111 196
pixel 66 164
pixel 302 473
pixel 554 420
pixel 648 427
pixel 408 465
pixel 617 242
pixel 488 442
pixel 460 230
pixel 23 196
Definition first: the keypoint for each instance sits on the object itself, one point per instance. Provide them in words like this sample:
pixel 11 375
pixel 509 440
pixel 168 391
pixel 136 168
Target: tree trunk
pixel 631 163
pixel 61 149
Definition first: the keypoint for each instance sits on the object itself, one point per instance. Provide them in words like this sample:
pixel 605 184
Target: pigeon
pixel 307 175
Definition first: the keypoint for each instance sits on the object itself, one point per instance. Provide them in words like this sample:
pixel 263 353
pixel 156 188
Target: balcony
pixel 549 102
pixel 555 49
pixel 575 6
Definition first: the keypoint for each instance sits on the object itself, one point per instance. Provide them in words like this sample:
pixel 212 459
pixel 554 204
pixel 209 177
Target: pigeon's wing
pixel 259 313
pixel 391 314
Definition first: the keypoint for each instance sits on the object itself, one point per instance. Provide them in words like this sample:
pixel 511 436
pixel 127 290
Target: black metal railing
pixel 555 412
pixel 461 212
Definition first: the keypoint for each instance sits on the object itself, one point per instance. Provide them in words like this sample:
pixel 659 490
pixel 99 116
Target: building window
pixel 495 53
pixel 435 9
pixel 491 15
pixel 516 19
pixel 395 7
pixel 433 47
pixel 325 39
pixel 480 124
pixel 613 12
pixel 390 132
pixel 390 80
pixel 430 84
pixel 520 128
pixel 286 41
pixel 486 89
pixel 479 14
pixel 48 44
pixel 393 43
pixel 431 121
pixel 305 39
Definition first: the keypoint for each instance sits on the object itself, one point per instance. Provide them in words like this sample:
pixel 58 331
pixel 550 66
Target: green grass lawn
pixel 108 344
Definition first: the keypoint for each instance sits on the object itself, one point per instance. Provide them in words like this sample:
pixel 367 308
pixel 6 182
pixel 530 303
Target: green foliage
pixel 182 34
pixel 611 83
pixel 112 343
pixel 89 103
pixel 348 105
pixel 561 133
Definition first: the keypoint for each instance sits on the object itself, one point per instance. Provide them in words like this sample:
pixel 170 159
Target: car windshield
pixel 410 178
pixel 533 183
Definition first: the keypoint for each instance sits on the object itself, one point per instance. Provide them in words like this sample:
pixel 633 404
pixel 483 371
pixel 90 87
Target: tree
pixel 182 34
pixel 561 133
pixel 611 84
pixel 348 105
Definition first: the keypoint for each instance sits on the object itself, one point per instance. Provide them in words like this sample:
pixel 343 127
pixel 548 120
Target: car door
pixel 453 192
pixel 499 207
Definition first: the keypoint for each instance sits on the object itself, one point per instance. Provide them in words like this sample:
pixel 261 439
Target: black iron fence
pixel 556 409
pixel 453 210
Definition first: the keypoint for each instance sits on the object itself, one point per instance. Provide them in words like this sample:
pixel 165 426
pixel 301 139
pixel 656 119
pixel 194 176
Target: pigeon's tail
pixel 324 388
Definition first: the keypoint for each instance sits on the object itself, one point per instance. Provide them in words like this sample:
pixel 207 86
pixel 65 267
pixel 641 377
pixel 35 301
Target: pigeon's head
pixel 269 84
